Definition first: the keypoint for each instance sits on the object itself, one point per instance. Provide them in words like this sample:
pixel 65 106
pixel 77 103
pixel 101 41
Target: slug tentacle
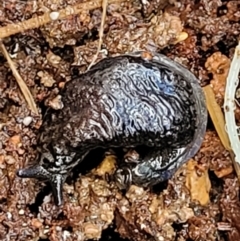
pixel 57 185
pixel 36 171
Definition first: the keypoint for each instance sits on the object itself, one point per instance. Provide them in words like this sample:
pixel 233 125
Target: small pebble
pixel 10 160
pixel 9 215
pixel 56 103
pixel 45 231
pixel 27 120
pixel 66 234
pixel 54 15
pixel 21 212
pixel 15 140
pixel 36 223
pixel 20 151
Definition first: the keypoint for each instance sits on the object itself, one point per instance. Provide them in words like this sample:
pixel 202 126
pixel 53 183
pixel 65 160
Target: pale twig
pixel 101 30
pixel 217 116
pixel 230 106
pixel 218 120
pixel 48 17
pixel 25 91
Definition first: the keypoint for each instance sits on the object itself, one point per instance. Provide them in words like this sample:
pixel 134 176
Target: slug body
pixel 126 101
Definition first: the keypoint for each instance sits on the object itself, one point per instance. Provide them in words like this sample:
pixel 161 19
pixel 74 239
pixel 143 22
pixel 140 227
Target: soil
pixel 201 201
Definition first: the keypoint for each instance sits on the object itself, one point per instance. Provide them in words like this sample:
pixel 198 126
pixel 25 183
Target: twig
pixel 230 106
pixel 218 120
pixel 36 22
pixel 217 116
pixel 25 91
pixel 101 30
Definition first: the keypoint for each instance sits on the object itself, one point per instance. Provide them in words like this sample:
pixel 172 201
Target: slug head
pixel 39 172
pixel 50 168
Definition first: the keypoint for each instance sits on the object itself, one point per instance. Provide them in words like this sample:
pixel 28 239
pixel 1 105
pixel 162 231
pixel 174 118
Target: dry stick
pixel 36 22
pixel 217 116
pixel 230 106
pixel 101 30
pixel 26 93
pixel 219 122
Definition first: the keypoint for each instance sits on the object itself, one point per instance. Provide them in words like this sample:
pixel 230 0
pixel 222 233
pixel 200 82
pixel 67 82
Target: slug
pixel 127 101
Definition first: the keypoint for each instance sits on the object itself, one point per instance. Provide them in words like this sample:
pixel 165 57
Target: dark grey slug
pixel 132 100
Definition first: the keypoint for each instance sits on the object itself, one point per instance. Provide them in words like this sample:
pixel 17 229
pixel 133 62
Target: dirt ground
pixel 201 201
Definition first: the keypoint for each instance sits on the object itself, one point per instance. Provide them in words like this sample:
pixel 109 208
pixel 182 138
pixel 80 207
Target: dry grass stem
pixel 101 30
pixel 25 91
pixel 217 116
pixel 219 122
pixel 52 16
pixel 230 106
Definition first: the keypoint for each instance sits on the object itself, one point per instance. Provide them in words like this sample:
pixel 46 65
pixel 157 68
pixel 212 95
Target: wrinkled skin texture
pixel 127 101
